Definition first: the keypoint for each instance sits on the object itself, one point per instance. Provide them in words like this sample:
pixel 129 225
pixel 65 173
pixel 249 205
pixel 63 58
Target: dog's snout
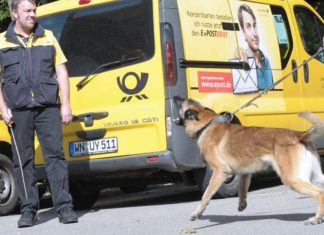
pixel 177 100
pixel 178 121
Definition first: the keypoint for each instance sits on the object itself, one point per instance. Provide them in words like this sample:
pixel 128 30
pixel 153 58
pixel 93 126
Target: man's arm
pixel 64 86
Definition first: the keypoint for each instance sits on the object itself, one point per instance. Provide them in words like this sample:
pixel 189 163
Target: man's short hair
pixel 246 8
pixel 15 3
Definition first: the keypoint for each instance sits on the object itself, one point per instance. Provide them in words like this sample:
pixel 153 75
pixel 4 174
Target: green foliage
pixel 4 11
pixel 5 15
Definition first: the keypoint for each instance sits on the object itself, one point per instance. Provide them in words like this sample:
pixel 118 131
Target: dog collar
pixel 220 118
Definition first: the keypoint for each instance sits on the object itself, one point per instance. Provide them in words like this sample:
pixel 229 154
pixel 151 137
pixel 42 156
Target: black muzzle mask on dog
pixel 177 101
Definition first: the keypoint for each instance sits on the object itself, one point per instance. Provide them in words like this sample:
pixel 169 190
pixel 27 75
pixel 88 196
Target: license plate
pixel 107 145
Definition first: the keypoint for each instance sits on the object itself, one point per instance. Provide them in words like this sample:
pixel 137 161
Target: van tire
pixel 8 196
pixel 229 188
pixel 83 197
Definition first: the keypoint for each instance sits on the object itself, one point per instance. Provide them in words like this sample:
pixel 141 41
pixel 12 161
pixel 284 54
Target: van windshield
pixel 104 33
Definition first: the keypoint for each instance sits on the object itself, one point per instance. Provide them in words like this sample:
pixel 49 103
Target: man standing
pixel 248 25
pixel 33 74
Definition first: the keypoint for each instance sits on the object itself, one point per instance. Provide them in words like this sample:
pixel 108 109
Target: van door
pixel 213 44
pixel 310 39
pixel 116 78
pixel 272 31
pixel 209 43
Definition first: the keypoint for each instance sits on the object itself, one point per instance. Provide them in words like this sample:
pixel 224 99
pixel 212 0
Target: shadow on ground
pixel 159 194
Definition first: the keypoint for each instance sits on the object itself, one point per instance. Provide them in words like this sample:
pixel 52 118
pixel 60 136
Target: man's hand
pixel 66 114
pixel 7 116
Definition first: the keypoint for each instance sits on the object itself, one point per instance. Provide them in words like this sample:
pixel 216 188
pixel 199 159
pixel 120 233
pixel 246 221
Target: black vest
pixel 28 72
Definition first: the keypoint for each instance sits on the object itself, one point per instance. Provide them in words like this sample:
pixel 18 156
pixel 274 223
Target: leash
pixel 229 116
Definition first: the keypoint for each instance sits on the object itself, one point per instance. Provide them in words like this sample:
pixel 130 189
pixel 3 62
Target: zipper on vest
pixel 29 46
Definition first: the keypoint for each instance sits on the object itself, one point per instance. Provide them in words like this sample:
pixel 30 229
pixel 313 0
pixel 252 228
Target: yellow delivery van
pixel 128 59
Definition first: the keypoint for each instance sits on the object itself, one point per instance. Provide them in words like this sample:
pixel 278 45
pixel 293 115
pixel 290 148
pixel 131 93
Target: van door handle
pixel 306 72
pixel 295 74
pixel 88 118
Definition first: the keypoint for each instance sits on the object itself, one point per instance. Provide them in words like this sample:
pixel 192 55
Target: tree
pixel 5 12
pixel 4 15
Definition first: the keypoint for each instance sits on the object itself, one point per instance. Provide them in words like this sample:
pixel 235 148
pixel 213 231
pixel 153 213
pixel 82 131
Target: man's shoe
pixel 67 216
pixel 27 219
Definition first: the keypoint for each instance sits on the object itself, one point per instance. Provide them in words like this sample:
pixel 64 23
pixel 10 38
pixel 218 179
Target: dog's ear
pixel 191 114
pixel 209 109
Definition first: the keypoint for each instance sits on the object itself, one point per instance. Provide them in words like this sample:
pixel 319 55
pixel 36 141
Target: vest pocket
pixel 11 67
pixel 48 91
pixel 15 93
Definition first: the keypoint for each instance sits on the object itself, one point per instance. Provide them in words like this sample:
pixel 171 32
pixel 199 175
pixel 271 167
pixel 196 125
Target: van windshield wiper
pixel 105 67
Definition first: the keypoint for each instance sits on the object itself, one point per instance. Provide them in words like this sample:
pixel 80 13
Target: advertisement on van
pixel 249 26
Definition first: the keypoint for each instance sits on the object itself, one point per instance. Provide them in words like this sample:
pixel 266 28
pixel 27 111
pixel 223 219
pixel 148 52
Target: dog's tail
pixel 318 126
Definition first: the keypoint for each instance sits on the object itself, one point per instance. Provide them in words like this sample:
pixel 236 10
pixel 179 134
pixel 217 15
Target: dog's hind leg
pixel 215 182
pixel 317 174
pixel 312 191
pixel 245 182
pixel 318 178
pixel 298 165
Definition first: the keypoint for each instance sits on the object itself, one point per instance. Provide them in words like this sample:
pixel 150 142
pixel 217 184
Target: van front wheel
pixel 228 189
pixel 8 196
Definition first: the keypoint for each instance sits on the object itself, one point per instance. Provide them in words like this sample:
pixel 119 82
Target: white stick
pixel 19 159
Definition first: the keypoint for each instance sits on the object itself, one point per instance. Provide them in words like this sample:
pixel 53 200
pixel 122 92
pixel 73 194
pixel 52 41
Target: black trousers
pixel 48 126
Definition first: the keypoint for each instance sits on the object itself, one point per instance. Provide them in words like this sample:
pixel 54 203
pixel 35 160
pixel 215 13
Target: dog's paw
pixel 198 212
pixel 314 220
pixel 242 205
pixel 194 216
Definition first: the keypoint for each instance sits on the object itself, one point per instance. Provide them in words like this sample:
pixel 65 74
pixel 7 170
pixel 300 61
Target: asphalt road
pixel 272 209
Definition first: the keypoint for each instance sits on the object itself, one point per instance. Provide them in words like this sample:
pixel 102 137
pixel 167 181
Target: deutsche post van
pixel 127 59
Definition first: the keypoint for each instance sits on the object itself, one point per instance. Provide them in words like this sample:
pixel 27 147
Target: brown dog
pixel 234 149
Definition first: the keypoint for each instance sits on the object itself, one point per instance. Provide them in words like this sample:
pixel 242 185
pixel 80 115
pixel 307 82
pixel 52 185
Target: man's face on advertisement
pixel 25 15
pixel 250 31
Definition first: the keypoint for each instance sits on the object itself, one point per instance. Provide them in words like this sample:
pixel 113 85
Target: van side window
pixel 311 31
pixel 97 35
pixel 283 34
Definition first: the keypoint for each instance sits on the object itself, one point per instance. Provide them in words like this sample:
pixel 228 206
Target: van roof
pixel 63 5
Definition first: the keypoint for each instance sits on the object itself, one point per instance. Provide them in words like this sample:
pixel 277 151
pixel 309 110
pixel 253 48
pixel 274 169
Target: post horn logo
pixel 141 82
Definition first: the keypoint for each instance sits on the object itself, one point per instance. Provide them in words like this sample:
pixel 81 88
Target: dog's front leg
pixel 215 182
pixel 245 182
